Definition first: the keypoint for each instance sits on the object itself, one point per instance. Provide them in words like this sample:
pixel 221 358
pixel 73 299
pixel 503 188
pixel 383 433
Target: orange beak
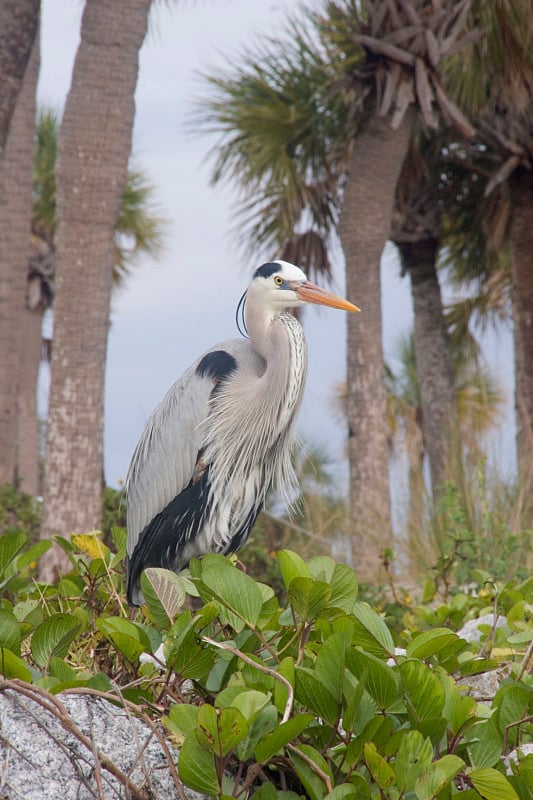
pixel 312 293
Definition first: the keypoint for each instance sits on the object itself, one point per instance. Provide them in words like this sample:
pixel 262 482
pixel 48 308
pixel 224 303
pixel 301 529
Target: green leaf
pixel 250 702
pixel 361 785
pixel 237 594
pixel 475 666
pixel 485 748
pixel 512 703
pixel 371 633
pixel 53 637
pixel 321 568
pixel 263 723
pixel 521 638
pixel 313 783
pixel 32 554
pixel 196 767
pixel 189 659
pixel 378 678
pixel 329 667
pixel 425 697
pixel 380 770
pixel 292 566
pixel 100 682
pixel 281 736
pixel 431 642
pixel 459 709
pixel 344 588
pixel 359 709
pixel 62 671
pixel 10 635
pixel 10 544
pixel 438 775
pixel 12 666
pixel 182 719
pixel 492 785
pixel 315 696
pixel 345 792
pixel 269 792
pixel 308 597
pixel 164 594
pixel 414 754
pixel 220 729
pixel 128 638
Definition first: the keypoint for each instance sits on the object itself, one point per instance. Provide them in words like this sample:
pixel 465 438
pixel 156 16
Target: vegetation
pixel 310 698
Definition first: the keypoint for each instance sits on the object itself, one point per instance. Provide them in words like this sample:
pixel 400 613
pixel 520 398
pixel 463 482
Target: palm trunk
pixel 376 161
pixel 15 227
pixel 522 272
pixel 18 32
pixel 28 433
pixel 94 146
pixel 432 354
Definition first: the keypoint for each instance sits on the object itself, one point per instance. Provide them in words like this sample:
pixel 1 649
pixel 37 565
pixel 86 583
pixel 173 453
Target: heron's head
pixel 278 285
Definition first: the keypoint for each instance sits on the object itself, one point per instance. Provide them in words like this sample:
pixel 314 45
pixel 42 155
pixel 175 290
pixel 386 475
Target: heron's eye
pixel 278 280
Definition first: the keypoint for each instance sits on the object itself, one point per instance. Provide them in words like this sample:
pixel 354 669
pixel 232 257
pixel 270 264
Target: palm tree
pixel 15 214
pixel 315 130
pixel 138 230
pixel 18 32
pixel 417 233
pixel 495 82
pixel 478 400
pixel 94 146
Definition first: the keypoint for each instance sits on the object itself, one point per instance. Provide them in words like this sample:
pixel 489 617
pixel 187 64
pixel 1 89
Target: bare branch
pixel 261 668
pixel 311 764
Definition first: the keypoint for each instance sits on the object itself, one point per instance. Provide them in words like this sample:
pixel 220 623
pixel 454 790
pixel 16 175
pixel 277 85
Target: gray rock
pixel 471 632
pixel 515 755
pixel 41 759
pixel 483 686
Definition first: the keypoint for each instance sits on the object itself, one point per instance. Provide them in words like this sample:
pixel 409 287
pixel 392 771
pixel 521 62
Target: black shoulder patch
pixel 216 365
pixel 266 270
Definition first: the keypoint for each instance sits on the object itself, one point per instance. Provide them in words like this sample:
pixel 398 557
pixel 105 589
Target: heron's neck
pixel 270 336
pixel 280 341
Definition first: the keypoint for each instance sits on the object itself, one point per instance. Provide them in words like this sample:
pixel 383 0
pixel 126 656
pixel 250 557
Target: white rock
pixel 42 760
pixel 471 630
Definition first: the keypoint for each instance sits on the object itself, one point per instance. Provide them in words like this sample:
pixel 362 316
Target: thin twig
pixel 525 661
pixel 261 668
pixel 311 764
pixel 508 727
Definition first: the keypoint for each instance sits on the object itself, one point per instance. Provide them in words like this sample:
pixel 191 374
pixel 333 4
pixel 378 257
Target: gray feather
pixel 163 461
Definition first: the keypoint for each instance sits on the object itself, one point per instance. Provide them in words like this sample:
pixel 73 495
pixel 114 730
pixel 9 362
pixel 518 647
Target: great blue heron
pixel 223 434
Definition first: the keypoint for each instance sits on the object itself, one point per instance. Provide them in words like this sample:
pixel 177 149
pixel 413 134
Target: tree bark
pixel 15 228
pixel 432 354
pixel 93 150
pixel 522 272
pixel 18 30
pixel 365 222
pixel 28 430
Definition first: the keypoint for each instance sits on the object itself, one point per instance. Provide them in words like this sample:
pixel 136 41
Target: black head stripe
pixel 266 270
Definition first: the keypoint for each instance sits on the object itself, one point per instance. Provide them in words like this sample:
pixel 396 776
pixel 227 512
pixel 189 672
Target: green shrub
pixel 268 700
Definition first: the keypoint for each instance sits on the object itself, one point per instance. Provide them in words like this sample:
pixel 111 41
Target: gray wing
pixel 163 461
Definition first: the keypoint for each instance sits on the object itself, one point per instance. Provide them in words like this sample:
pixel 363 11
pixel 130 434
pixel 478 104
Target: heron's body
pixel 221 437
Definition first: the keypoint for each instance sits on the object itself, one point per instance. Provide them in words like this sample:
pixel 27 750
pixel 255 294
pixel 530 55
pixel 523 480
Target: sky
pixel 174 308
